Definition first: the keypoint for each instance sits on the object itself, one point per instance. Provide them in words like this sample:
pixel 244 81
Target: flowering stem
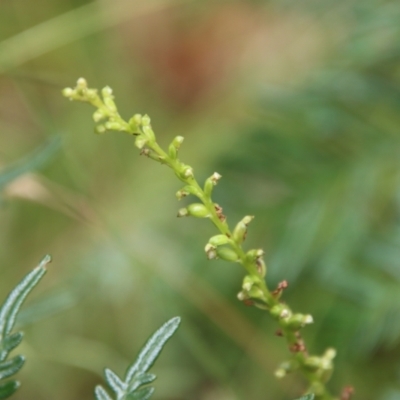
pixel 226 245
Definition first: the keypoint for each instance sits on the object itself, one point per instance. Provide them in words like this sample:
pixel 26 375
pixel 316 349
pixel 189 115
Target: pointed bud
pixel 172 152
pixel 240 231
pixel 106 91
pixel 178 140
pixel 210 183
pixel 227 254
pixel 185 191
pixel 218 240
pixel 198 210
pixel 81 83
pixel 137 118
pixel 146 120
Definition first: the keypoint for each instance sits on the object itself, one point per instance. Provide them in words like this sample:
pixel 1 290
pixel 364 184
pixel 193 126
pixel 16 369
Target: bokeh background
pixel 295 103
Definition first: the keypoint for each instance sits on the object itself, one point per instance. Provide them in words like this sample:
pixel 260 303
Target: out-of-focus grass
pixel 295 104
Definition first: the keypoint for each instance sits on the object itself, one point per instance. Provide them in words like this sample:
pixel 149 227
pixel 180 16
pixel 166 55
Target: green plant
pixel 9 340
pixel 227 244
pixel 133 387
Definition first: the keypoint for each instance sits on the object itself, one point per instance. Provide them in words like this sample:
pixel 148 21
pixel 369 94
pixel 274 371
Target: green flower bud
pixel 68 92
pixel 146 120
pixel 330 353
pixel 280 373
pixel 183 212
pixel 91 94
pixel 249 281
pixel 137 118
pixel 140 141
pixel 108 99
pixel 172 152
pixel 313 363
pixel 81 83
pixel 240 231
pixel 178 140
pixel 134 123
pixel 227 254
pixel 174 147
pixel 148 132
pixel 106 91
pixel 242 296
pixel 210 183
pixel 114 126
pixel 280 311
pixel 180 194
pixel 100 129
pixel 298 321
pixel 218 240
pixel 187 172
pixel 252 255
pixel 210 251
pixel 185 191
pixel 198 210
pixel 261 267
pixel 98 115
pixel 286 367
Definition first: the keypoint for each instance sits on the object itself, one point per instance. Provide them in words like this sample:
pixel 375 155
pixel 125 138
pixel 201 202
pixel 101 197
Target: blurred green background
pixel 295 103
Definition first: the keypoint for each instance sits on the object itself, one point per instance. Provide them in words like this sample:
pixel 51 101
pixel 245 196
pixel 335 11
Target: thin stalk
pixel 226 245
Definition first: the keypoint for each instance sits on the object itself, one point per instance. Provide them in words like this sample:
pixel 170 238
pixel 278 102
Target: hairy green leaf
pixel 140 380
pixel 7 389
pixel 8 314
pixel 12 341
pixel 141 394
pixel 115 382
pixel 11 367
pixel 137 375
pixel 152 348
pixel 101 394
pixel 11 306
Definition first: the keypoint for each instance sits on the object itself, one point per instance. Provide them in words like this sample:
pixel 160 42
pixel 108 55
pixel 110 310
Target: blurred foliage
pixel 296 104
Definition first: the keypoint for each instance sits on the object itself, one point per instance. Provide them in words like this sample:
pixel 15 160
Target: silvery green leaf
pixel 101 394
pixel 152 348
pixel 7 389
pixel 115 383
pixel 11 367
